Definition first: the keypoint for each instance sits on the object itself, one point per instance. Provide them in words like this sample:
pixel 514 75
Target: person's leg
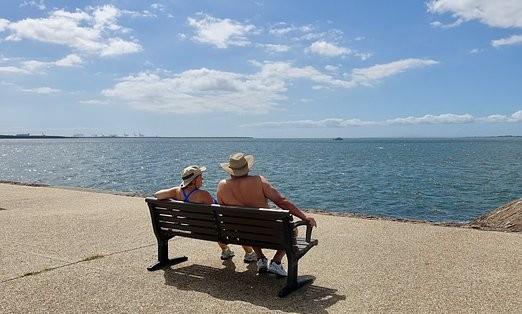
pixel 275 264
pixel 226 253
pixel 259 252
pixel 248 249
pixel 250 255
pixel 262 261
pixel 278 256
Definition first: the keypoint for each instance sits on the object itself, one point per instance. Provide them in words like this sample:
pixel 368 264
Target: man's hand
pixel 311 221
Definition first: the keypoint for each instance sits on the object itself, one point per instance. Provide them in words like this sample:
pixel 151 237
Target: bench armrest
pixel 308 228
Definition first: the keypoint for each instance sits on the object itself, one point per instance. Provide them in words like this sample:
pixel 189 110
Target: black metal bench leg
pixel 293 282
pixel 163 257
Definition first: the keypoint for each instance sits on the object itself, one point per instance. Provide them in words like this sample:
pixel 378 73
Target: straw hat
pixel 190 173
pixel 238 164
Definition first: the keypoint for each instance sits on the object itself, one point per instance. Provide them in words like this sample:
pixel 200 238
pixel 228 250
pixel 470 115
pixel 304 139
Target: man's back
pixel 249 191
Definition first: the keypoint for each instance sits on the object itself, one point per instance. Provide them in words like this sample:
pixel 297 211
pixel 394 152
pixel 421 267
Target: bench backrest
pixel 267 228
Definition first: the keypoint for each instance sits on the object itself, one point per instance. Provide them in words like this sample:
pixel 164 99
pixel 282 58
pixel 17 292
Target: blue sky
pixel 262 68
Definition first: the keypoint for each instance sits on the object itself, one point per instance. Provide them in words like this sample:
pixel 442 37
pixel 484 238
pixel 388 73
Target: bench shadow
pixel 261 290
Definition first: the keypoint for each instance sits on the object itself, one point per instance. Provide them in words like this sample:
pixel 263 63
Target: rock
pixel 504 218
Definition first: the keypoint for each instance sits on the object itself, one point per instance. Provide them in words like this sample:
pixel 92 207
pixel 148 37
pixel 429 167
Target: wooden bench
pixel 264 228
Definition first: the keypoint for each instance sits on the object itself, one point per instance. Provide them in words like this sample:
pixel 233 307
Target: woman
pixel 189 191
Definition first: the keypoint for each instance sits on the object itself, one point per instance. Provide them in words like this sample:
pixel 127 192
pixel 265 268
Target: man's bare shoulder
pixel 222 183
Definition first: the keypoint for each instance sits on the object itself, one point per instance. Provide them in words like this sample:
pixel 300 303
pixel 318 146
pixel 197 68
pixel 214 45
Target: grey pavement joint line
pixel 87 259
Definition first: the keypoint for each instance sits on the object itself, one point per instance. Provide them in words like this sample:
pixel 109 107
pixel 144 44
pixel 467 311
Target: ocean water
pixel 428 179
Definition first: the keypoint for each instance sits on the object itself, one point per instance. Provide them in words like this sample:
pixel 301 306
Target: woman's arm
pixel 166 193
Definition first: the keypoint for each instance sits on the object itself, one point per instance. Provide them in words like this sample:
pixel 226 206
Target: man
pixel 255 191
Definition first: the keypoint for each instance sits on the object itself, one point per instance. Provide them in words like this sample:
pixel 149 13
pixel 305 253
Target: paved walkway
pixel 68 251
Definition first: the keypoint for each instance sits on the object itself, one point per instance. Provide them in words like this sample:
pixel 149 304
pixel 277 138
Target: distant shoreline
pixel 2 136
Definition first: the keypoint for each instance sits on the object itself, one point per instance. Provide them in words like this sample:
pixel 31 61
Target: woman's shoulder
pixel 203 196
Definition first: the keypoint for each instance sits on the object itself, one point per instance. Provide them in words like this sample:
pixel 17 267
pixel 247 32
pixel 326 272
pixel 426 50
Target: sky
pixel 272 69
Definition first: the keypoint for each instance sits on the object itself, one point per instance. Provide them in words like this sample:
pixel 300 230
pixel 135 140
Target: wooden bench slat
pixel 192 235
pixel 193 208
pixel 251 236
pixel 195 229
pixel 258 213
pixel 162 211
pixel 177 225
pixel 202 216
pixel 277 232
pixel 250 221
pixel 196 216
pixel 178 205
pixel 188 221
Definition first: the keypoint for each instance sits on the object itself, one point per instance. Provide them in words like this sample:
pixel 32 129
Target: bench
pixel 264 228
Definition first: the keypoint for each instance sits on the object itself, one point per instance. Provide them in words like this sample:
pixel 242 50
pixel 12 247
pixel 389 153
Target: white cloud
pixel 504 14
pixel 442 119
pixel 447 118
pixel 207 90
pixel 447 25
pixel 193 91
pixel 68 61
pixel 34 66
pixel 118 46
pixel 41 90
pixel 331 68
pixel 272 48
pixel 92 31
pixel 331 35
pixel 328 49
pixel 220 32
pixel 12 70
pixel 158 6
pixel 281 29
pixel 363 55
pixel 3 24
pixel 475 51
pixel 94 102
pixel 371 75
pixel 325 123
pixel 512 40
pixel 498 118
pixel 40 5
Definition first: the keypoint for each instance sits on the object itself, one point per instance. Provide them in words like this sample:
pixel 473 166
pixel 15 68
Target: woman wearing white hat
pixel 189 191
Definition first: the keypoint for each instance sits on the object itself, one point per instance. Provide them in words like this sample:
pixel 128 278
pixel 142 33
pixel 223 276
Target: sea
pixel 435 179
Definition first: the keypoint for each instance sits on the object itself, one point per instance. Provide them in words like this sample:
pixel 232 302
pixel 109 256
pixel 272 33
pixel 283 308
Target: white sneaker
pixel 250 257
pixel 262 265
pixel 227 254
pixel 277 269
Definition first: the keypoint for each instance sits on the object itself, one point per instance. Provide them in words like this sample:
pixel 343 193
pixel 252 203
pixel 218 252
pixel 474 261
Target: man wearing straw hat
pixel 255 191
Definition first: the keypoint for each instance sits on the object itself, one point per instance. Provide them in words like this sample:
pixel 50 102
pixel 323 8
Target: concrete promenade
pixel 70 251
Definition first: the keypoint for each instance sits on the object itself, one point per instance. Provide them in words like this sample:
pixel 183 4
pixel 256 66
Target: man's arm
pixel 272 194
